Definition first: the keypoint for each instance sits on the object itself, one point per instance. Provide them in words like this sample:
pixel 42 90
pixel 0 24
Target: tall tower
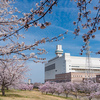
pixel 59 50
pixel 88 59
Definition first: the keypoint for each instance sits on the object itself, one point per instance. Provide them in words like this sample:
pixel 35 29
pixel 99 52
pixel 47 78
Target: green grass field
pixel 30 95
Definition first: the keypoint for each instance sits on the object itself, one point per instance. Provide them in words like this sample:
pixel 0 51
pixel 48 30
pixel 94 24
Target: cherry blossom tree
pixel 52 88
pixel 59 88
pixel 68 87
pixel 11 24
pixel 45 88
pixel 24 86
pixel 87 21
pixel 36 85
pixel 12 51
pixel 94 94
pixel 12 73
pixel 90 88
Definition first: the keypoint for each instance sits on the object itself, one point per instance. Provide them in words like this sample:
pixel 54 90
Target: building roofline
pixel 68 55
pixel 54 58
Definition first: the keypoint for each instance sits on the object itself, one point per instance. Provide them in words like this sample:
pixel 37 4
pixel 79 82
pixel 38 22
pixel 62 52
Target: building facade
pixel 66 63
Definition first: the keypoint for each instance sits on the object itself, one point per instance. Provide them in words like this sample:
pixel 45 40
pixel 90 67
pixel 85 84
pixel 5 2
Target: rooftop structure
pixel 59 50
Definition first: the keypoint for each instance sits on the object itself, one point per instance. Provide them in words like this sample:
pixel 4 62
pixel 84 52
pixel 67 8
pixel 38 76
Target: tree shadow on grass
pixel 12 95
pixel 68 98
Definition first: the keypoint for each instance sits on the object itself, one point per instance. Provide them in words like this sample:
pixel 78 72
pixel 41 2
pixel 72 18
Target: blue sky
pixel 62 19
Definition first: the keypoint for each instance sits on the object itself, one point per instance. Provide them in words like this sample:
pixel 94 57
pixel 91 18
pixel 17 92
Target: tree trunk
pixel 66 94
pixel 3 90
pixel 90 98
pixel 7 88
pixel 76 95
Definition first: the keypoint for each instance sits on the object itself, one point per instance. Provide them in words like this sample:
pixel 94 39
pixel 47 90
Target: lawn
pixel 29 95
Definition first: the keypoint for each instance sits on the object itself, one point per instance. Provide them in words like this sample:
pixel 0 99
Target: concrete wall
pixel 79 64
pixel 78 77
pixel 67 58
pixel 59 67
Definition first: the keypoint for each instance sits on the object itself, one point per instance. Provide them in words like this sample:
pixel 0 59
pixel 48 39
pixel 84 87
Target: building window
pixel 75 66
pixel 74 75
pixel 50 67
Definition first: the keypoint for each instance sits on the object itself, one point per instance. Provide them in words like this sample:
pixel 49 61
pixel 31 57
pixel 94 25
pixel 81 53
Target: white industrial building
pixel 66 63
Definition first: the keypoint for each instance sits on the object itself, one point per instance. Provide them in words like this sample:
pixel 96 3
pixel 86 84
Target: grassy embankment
pixel 29 95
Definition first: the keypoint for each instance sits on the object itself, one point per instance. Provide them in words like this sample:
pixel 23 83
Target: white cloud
pixel 62 28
